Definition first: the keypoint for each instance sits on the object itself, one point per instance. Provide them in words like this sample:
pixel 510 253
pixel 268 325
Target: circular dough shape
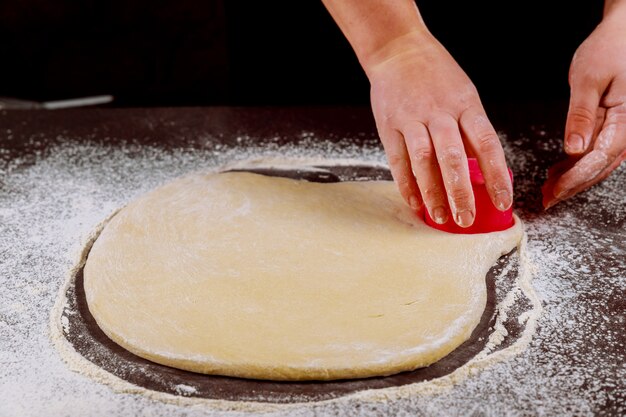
pixel 253 276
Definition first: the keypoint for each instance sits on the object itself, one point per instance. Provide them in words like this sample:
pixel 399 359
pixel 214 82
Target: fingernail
pixel 413 202
pixel 575 143
pixel 562 194
pixel 503 200
pixel 465 218
pixel 439 215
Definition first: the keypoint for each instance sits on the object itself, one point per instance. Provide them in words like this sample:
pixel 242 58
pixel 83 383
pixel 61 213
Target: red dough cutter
pixel 488 217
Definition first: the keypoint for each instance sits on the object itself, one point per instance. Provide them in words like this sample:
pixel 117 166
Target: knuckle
pixel 396 160
pixel 500 184
pixel 472 91
pixel 478 121
pixel 403 180
pixel 402 177
pixel 582 116
pixel 404 185
pixel 468 93
pixel 461 196
pixel 488 142
pixel 581 75
pixel 433 194
pixel 423 154
pixel 452 157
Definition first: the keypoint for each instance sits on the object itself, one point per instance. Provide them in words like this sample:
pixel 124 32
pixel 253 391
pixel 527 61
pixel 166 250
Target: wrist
pixel 614 9
pixel 416 42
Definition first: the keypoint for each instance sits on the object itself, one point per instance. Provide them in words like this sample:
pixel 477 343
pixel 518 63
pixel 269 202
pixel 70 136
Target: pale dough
pixel 253 276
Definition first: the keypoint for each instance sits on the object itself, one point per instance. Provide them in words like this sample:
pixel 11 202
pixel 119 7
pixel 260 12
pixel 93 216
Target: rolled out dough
pixel 260 277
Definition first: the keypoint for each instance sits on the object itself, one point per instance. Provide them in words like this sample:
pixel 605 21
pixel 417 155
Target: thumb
pixel 581 116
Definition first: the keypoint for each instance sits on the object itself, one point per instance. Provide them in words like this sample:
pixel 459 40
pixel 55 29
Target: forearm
pixel 614 6
pixel 375 28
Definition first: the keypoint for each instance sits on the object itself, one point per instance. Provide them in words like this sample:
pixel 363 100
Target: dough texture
pixel 260 277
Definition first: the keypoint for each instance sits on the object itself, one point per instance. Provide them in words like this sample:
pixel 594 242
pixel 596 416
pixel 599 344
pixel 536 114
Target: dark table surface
pixel 190 127
pixel 578 246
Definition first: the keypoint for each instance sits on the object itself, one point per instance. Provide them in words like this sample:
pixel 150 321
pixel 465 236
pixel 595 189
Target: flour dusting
pixel 51 202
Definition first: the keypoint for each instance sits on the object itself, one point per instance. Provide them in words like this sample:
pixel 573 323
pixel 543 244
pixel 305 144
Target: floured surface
pixel 52 197
pixel 253 276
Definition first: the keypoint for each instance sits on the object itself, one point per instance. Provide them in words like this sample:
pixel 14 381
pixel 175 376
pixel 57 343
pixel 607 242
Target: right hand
pixel 428 114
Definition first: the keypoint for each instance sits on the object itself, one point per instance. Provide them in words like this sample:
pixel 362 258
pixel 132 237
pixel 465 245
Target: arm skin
pixel 595 130
pixel 427 111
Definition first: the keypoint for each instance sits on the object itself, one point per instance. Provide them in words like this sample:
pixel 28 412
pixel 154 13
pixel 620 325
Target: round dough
pixel 261 277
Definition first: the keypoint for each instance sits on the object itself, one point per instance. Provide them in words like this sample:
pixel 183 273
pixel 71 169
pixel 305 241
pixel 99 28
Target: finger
pixel 600 115
pixel 554 173
pixel 426 171
pixel 605 173
pixel 400 167
pixel 446 137
pixel 485 143
pixel 608 147
pixel 581 115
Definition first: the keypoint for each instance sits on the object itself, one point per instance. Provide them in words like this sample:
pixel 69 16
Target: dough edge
pixel 404 362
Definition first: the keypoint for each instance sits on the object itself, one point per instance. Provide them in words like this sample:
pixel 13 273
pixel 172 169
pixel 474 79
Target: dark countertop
pixel 578 247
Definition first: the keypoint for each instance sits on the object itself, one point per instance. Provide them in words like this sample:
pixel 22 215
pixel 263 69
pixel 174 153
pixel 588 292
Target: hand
pixel 428 114
pixel 595 131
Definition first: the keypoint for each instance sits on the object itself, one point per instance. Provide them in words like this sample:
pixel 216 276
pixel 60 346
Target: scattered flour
pixel 183 389
pixel 50 203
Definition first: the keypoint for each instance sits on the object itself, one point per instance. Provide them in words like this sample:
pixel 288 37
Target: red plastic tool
pixel 488 217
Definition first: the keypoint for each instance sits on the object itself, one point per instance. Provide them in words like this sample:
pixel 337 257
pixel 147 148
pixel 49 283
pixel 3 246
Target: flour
pixel 51 201
pixel 183 389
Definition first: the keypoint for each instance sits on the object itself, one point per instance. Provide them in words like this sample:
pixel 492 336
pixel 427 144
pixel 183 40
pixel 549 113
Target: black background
pixel 234 52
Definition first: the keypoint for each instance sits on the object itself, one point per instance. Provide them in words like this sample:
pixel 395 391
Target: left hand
pixel 595 131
